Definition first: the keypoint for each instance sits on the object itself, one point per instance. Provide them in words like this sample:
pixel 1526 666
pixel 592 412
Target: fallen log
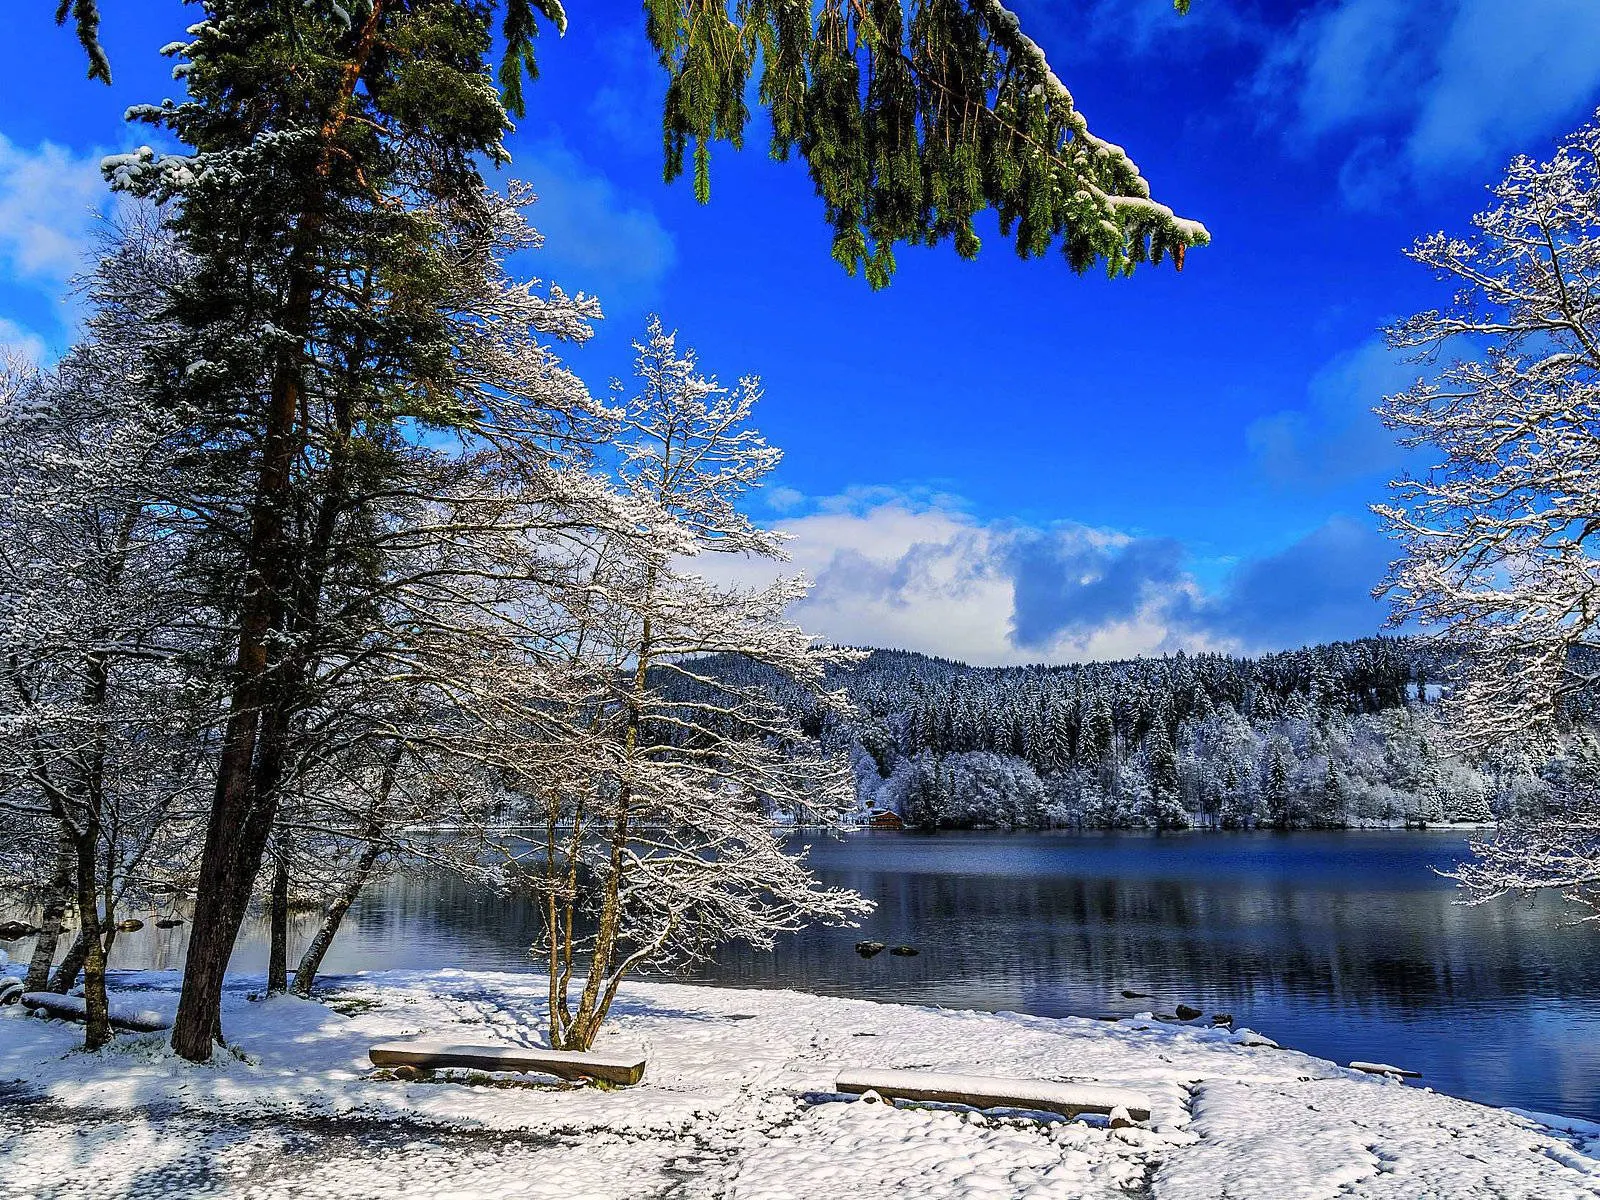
pixel 1371 1068
pixel 990 1091
pixel 564 1064
pixel 73 1008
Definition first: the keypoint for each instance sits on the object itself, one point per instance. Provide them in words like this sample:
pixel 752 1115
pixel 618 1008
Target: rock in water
pixel 1128 994
pixel 1222 1018
pixel 1188 1012
pixel 868 949
pixel 131 925
pixel 10 931
pixel 904 951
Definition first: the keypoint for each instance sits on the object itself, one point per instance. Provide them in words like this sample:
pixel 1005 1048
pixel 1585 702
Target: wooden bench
pixel 73 1008
pixel 991 1091
pixel 488 1056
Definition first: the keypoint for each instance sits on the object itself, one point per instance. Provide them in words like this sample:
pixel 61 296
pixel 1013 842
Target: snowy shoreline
pixel 738 1101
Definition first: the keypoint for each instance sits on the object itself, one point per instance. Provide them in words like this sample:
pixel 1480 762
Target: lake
pixel 1343 944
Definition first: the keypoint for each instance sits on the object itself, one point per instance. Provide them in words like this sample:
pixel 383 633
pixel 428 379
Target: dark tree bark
pixel 251 765
pixel 305 976
pixel 97 1007
pixel 57 893
pixel 86 831
pixel 278 954
pixel 66 976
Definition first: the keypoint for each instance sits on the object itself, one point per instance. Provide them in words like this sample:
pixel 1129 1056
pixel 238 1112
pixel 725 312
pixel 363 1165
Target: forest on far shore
pixel 1335 735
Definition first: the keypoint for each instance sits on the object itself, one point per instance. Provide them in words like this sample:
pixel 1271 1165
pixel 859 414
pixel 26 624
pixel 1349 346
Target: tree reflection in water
pixel 1343 944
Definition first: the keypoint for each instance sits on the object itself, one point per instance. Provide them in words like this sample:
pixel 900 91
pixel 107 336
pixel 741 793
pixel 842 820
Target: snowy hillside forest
pixel 1344 734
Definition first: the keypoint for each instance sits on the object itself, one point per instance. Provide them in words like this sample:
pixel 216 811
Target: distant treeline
pixel 1345 733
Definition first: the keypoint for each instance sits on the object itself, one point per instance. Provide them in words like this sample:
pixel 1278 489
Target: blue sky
pixel 999 460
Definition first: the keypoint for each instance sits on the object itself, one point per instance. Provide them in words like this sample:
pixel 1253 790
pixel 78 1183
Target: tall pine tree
pixel 332 168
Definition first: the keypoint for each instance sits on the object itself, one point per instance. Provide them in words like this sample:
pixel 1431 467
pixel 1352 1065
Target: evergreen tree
pixel 1333 795
pixel 1275 781
pixel 331 180
pixel 1220 762
pixel 1100 734
pixel 1162 762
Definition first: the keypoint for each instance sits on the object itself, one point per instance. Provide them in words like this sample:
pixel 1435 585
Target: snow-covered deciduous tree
pixel 101 760
pixel 659 847
pixel 1557 851
pixel 427 638
pixel 1501 535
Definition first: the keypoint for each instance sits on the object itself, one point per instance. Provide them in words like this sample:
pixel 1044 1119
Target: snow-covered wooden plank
pixel 491 1056
pixel 1372 1068
pixel 73 1008
pixel 993 1091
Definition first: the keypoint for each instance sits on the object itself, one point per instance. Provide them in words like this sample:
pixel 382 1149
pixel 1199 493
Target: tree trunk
pixel 97 1007
pixel 278 956
pixel 585 1022
pixel 305 975
pixel 241 815
pixel 66 975
pixel 227 866
pixel 241 812
pixel 556 1000
pixel 57 893
pixel 98 928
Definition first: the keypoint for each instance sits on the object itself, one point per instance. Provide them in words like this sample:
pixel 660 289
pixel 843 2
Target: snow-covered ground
pixel 737 1101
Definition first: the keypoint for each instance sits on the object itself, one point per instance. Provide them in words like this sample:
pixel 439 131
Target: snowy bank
pixel 737 1101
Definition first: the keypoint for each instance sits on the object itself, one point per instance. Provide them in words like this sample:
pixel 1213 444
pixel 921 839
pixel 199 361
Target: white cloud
pixel 1354 61
pixel 22 342
pixel 783 499
pixel 1506 73
pixel 1149 27
pixel 596 238
pixel 627 102
pixel 900 571
pixel 1437 86
pixel 49 198
pixel 1335 436
pixel 896 576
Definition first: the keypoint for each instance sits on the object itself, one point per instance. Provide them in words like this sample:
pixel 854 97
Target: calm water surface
pixel 1346 945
